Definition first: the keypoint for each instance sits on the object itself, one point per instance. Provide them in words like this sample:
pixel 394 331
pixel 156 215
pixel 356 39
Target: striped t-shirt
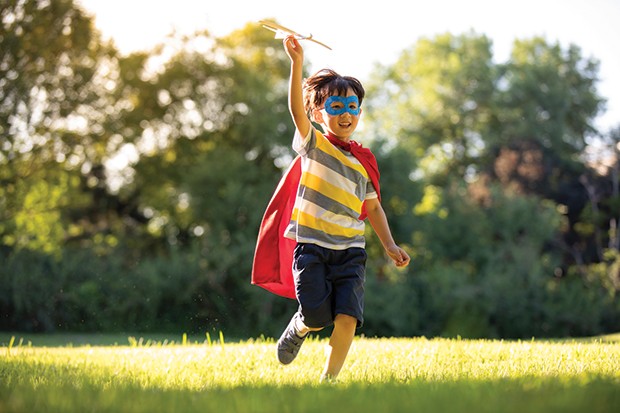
pixel 332 189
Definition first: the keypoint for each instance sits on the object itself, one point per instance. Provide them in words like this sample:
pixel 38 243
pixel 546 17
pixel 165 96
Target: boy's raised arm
pixel 295 94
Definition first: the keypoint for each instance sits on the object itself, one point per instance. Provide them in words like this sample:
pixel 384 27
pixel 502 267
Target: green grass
pixel 381 375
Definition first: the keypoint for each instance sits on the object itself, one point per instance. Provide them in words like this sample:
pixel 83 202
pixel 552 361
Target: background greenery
pixel 131 187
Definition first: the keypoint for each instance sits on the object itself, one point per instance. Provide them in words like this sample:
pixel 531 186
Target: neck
pixel 341 143
pixel 332 136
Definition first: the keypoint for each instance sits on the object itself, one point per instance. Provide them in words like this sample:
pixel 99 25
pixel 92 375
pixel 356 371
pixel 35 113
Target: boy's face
pixel 340 115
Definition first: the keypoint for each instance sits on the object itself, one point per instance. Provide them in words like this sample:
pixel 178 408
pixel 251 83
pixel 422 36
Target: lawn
pixel 78 374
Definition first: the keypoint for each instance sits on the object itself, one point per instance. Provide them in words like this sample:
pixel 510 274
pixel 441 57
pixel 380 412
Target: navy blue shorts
pixel 329 282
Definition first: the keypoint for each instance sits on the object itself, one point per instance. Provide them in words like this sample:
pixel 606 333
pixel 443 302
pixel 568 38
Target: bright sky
pixel 363 32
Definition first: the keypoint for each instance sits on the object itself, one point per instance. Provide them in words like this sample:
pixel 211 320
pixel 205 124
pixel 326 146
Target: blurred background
pixel 141 141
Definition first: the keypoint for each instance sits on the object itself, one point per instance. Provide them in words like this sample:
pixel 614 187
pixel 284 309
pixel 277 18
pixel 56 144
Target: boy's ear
pixel 317 116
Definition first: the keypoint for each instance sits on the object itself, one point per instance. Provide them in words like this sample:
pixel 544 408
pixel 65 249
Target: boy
pixel 336 185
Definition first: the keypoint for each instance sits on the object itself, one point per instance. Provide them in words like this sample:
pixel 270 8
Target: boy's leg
pixel 339 344
pixel 348 282
pixel 314 297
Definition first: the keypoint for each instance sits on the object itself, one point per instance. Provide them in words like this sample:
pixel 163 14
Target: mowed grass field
pixel 381 375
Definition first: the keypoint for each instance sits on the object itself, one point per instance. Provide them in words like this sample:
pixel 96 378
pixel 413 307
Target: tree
pixel 209 143
pixel 50 58
pixel 212 131
pixel 497 148
pixel 436 101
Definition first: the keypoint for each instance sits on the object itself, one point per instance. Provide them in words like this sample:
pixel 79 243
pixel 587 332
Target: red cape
pixel 273 259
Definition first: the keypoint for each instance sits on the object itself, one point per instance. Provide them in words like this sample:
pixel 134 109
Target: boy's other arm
pixel 379 223
pixel 295 94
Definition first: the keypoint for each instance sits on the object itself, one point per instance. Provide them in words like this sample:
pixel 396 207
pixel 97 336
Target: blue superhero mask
pixel 337 105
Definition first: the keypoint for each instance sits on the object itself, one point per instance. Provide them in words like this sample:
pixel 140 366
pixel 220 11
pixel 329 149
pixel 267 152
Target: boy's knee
pixel 345 321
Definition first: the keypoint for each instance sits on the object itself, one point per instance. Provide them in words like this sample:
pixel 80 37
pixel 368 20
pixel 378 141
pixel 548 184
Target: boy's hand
pixel 293 49
pixel 398 255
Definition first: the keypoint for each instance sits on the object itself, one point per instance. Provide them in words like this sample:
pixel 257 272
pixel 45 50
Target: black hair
pixel 325 83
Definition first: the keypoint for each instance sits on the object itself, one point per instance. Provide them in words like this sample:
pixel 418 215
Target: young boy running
pixel 338 186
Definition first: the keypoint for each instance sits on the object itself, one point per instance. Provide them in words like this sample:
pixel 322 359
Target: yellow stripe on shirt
pixel 330 228
pixel 331 191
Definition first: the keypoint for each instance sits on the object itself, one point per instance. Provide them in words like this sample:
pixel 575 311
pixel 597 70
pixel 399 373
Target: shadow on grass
pixel 505 395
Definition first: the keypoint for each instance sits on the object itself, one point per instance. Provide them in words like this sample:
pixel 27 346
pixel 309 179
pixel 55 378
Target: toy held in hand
pixel 281 32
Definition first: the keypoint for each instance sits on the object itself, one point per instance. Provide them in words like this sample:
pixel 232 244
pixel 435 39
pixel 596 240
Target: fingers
pixel 290 42
pixel 293 48
pixel 401 259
